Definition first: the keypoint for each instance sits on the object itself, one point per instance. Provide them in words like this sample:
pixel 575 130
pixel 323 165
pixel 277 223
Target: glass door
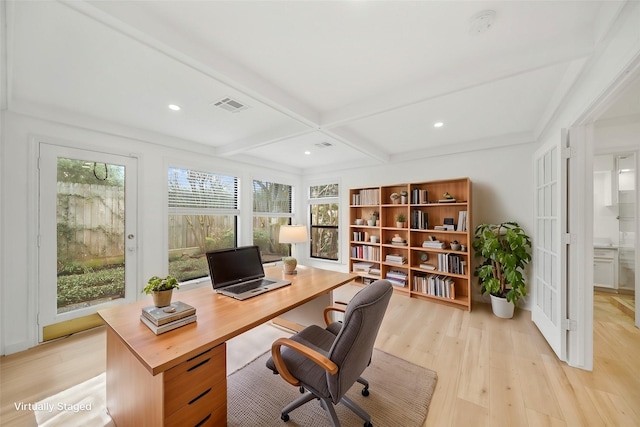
pixel 87 236
pixel 626 178
pixel 550 257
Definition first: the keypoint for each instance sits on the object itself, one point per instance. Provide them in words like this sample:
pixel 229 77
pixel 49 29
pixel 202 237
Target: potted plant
pixel 400 220
pixel 506 251
pixel 161 289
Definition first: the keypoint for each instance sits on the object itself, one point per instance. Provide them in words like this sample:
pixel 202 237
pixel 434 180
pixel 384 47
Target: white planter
pixel 501 307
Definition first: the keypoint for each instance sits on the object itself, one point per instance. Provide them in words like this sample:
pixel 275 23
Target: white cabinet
pixel 605 268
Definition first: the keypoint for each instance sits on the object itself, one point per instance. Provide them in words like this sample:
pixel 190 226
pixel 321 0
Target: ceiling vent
pixel 230 104
pixel 323 144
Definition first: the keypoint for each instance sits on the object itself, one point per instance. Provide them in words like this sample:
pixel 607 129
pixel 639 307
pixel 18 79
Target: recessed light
pixel 307 152
pixel 174 107
pixel 438 124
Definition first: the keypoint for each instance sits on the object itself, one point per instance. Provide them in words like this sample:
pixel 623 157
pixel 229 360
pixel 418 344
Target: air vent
pixel 323 144
pixel 231 105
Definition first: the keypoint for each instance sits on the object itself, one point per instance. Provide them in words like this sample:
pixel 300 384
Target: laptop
pixel 238 273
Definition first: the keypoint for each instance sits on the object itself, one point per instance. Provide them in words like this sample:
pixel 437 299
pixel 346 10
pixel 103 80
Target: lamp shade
pixel 293 233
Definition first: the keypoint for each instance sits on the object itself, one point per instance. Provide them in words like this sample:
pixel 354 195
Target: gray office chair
pixel 327 362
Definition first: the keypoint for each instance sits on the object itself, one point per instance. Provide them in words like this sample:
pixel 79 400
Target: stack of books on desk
pixel 164 319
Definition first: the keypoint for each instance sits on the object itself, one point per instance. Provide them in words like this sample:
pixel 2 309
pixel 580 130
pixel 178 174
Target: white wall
pixel 18 275
pixel 501 182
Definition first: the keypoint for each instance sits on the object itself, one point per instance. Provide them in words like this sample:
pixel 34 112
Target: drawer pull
pixel 198 355
pixel 204 393
pixel 198 365
pixel 203 421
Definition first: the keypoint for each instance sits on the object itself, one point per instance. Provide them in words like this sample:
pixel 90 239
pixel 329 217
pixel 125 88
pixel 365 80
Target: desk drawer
pixel 209 410
pixel 187 381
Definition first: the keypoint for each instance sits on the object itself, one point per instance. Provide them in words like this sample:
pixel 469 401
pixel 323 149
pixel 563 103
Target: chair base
pixel 328 407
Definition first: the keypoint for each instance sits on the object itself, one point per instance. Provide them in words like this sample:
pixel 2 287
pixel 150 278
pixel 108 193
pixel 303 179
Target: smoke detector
pixel 230 104
pixel 482 22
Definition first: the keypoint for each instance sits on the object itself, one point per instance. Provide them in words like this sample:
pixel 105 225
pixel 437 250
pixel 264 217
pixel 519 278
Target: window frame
pixel 207 211
pixel 257 214
pixel 311 202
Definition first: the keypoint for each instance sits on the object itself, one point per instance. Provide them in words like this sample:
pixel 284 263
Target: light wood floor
pixel 491 372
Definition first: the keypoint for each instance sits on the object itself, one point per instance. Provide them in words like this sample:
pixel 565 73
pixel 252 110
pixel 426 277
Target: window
pixel 272 207
pixel 203 215
pixel 324 218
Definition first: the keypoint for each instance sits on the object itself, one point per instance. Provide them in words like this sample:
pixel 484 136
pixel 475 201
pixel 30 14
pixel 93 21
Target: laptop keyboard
pixel 244 287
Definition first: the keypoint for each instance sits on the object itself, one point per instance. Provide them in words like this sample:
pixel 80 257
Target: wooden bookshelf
pixel 399 251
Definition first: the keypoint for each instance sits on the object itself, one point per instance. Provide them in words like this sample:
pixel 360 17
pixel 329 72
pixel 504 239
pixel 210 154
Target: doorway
pixel 614 230
pixel 87 237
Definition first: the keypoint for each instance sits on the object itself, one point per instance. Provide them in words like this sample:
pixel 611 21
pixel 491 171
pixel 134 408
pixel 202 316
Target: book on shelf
pixel 362 266
pixel 447 201
pixel 462 221
pixel 397 278
pixel 162 315
pixel 451 263
pixel 419 220
pixel 368 196
pixel 397 274
pixel 419 197
pixel 366 252
pixel 374 271
pixel 435 244
pixel 427 266
pixel 397 259
pixel 435 285
pixel 167 326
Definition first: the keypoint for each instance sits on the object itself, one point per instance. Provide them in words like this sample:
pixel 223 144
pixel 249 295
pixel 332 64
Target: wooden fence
pixel 90 221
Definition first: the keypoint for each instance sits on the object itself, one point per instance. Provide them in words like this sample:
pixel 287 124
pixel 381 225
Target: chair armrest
pixel 331 308
pixel 319 359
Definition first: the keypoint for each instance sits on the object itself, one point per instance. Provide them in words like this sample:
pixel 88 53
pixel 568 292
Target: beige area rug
pixel 400 393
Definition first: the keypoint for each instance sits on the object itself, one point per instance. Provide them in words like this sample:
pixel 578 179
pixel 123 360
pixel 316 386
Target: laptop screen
pixel 234 265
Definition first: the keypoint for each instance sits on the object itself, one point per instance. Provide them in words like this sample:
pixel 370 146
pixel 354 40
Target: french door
pixel 549 308
pixel 87 232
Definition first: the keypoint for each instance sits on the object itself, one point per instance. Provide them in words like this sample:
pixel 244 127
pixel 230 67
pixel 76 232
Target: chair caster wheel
pixel 301 389
pixel 284 417
pixel 365 392
pixel 368 424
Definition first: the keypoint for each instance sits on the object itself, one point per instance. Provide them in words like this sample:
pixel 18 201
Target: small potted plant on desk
pixel 161 289
pixel 506 250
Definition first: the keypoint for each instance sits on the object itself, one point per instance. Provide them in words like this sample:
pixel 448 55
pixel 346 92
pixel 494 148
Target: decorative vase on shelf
pixel 395 198
pixel 397 239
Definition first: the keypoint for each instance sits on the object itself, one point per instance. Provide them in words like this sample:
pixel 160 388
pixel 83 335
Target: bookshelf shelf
pixel 448 279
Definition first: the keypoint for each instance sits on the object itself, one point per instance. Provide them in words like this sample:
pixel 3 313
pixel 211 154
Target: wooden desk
pixel 179 377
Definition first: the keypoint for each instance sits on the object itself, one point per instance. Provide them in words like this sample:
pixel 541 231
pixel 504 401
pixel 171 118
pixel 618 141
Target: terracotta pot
pixel 162 298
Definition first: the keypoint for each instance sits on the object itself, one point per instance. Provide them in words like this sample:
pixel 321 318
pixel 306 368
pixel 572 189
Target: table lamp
pixel 292 234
